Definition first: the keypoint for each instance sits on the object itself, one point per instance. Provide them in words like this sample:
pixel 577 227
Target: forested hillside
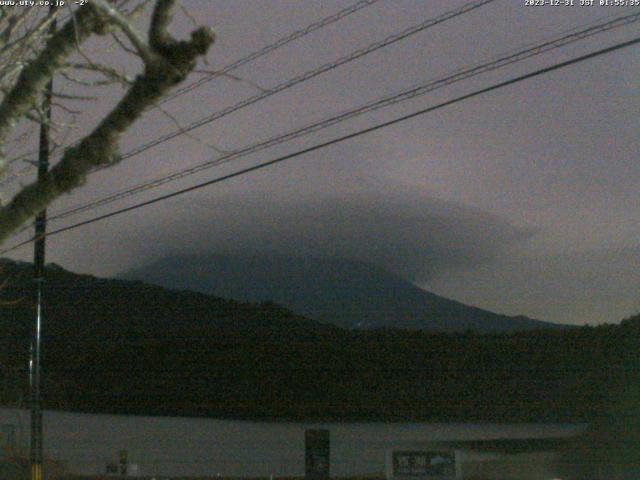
pixel 127 347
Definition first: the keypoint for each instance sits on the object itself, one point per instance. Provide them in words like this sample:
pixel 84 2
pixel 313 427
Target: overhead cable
pixel 402 96
pixel 334 141
pixel 308 75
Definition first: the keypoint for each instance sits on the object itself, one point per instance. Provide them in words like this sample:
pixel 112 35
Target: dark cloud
pixel 402 229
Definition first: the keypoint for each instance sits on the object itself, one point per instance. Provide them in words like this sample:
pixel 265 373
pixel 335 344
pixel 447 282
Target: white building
pixel 90 444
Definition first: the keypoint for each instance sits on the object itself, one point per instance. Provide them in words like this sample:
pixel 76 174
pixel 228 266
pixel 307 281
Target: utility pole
pixel 36 456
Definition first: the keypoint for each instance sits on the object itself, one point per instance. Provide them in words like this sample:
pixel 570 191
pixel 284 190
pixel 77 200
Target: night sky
pixel 521 201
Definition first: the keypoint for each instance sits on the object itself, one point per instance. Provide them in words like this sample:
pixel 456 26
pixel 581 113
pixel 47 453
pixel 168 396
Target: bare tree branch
pixel 37 73
pixel 167 62
pixel 111 74
pixel 188 134
pixel 123 24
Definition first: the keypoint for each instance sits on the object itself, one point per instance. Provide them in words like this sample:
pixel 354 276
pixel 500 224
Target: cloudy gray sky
pixel 521 201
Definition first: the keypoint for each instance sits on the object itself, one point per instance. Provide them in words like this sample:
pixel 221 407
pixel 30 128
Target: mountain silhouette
pixel 346 293
pixel 117 346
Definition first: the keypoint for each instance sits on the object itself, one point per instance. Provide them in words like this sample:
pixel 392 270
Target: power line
pixel 305 76
pixel 311 74
pixel 324 22
pixel 274 46
pixel 411 93
pixel 343 138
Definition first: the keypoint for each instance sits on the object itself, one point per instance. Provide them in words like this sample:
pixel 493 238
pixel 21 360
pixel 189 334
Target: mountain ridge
pixel 113 346
pixel 344 292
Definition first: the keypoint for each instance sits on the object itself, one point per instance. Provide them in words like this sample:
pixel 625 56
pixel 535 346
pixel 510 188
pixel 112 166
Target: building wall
pixel 523 466
pixel 170 446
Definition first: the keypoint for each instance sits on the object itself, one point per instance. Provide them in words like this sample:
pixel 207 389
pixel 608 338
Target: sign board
pixel 424 464
pixel 317 454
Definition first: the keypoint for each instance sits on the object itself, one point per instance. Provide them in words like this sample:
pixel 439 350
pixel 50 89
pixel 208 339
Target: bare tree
pixel 31 53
